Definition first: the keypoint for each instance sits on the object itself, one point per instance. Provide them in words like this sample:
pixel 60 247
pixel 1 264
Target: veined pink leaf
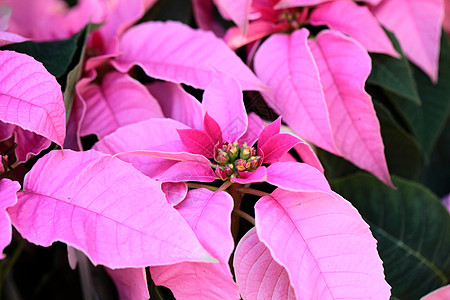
pixel 7 38
pixel 258 275
pixel 175 52
pixel 269 131
pixel 197 141
pixel 276 146
pixel 175 191
pixel 294 176
pixel 222 100
pixel 439 294
pixel 285 64
pixel 238 11
pixel 255 31
pixel 254 129
pixel 209 215
pixel 259 175
pixel 363 27
pixel 187 171
pixel 212 128
pixel 154 134
pixel 177 104
pixel 104 207
pixel 30 97
pixel 322 242
pixel 119 101
pixel 344 67
pixel 8 198
pixel 131 283
pixel 417 26
pixel 294 3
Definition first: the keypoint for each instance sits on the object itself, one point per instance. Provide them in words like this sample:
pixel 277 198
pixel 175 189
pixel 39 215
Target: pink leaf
pixel 177 104
pixel 322 242
pixel 209 215
pixel 439 294
pixel 277 146
pixel 175 52
pixel 259 175
pixel 238 11
pixel 417 26
pixel 344 67
pixel 107 109
pixel 258 275
pixel 7 38
pixel 255 31
pixel 269 131
pixel 203 11
pixel 223 101
pixel 8 198
pixel 364 27
pixel 294 176
pixel 30 97
pixel 131 283
pixel 197 141
pixel 187 171
pixel 104 207
pixel 144 136
pixel 285 64
pixel 212 128
pixel 254 129
pixel 175 191
pixel 294 3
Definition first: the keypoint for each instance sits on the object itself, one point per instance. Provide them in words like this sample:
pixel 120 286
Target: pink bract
pixel 8 198
pixel 105 208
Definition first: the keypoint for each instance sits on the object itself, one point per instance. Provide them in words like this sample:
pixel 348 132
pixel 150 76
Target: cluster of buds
pixel 233 159
pixel 292 18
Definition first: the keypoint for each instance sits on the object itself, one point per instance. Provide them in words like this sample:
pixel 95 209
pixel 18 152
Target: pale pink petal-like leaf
pixel 259 175
pixel 364 27
pixel 5 14
pixel 175 191
pixel 294 3
pixel 238 11
pixel 28 143
pixel 7 38
pixel 119 101
pixel 417 26
pixel 285 64
pixel 344 67
pixel 322 242
pixel 258 275
pixel 30 97
pixel 255 31
pixel 222 100
pixel 177 104
pixel 295 176
pixel 442 293
pixel 209 215
pixel 131 283
pixel 8 198
pixel 187 171
pixel 254 129
pixel 104 207
pixel 175 52
pixel 154 134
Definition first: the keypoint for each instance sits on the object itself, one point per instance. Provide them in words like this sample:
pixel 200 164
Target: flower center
pixel 291 19
pixel 233 159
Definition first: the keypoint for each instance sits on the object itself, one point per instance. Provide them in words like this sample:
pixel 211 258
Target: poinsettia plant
pixel 224 149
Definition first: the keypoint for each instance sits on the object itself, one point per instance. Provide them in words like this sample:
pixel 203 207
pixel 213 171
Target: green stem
pixel 224 186
pixel 244 216
pixel 194 185
pixel 250 191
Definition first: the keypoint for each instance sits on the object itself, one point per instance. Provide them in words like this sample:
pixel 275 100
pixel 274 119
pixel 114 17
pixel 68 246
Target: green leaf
pixel 163 10
pixel 56 56
pixel 394 74
pixel 428 119
pixel 403 153
pixel 412 228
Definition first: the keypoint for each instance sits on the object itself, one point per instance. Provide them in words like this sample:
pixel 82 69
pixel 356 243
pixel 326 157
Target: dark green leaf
pixel 394 74
pixel 335 166
pixel 428 119
pixel 163 10
pixel 56 56
pixel 403 153
pixel 412 228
